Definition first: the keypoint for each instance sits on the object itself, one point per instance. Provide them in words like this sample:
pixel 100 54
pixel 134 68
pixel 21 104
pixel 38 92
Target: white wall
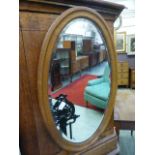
pixel 128 16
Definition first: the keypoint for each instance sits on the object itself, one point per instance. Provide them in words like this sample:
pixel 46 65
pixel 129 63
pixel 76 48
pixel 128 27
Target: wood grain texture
pixel 46 53
pixel 41 8
pixel 32 53
pixel 103 7
pixel 27 123
pixel 123 73
pixel 103 145
pixel 35 20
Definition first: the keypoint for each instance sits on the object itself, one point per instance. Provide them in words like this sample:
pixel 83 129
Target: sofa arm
pixel 95 81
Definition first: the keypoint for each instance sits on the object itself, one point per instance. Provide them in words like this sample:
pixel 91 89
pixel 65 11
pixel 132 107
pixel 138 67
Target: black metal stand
pixel 63 116
pixel 70 130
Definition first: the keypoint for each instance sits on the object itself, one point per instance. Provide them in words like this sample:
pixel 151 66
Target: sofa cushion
pixel 100 91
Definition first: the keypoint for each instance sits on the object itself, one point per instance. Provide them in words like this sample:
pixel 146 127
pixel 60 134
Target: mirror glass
pixel 79 80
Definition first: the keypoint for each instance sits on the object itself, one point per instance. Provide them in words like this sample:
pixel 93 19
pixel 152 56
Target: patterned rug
pixel 75 90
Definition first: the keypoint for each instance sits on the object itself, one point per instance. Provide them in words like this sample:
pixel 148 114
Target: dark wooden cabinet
pixel 87 45
pixel 77 63
pixel 94 58
pixel 84 62
pixel 102 56
pixel 55 75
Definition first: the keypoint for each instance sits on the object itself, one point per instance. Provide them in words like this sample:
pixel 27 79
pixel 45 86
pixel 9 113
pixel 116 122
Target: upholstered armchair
pixel 97 91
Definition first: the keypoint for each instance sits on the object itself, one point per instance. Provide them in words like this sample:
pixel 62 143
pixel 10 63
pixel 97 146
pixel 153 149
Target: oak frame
pixel 43 68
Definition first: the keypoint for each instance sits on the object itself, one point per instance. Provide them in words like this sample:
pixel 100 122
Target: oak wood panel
pixel 69 44
pixel 123 65
pixel 123 70
pixel 110 26
pixel 36 21
pixel 26 120
pixel 32 52
pixel 33 42
pixel 75 67
pixel 123 81
pixel 57 8
pixel 103 146
pixel 39 7
pixel 108 9
pixel 84 62
pixel 123 73
pixel 49 43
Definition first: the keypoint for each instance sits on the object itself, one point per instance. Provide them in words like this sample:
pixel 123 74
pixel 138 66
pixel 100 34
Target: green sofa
pixel 97 91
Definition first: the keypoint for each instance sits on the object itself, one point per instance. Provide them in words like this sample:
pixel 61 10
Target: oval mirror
pixel 77 78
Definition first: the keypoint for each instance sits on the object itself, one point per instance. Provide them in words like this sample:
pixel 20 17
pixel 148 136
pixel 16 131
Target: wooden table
pixel 124 125
pixel 124 114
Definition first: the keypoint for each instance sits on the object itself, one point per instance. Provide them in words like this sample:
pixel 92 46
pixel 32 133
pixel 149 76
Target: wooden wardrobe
pixel 35 17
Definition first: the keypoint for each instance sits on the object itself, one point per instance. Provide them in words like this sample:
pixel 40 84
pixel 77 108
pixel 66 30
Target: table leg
pixel 117 132
pixel 131 132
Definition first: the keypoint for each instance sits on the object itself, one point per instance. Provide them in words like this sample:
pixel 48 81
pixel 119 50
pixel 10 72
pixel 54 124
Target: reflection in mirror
pixel 79 80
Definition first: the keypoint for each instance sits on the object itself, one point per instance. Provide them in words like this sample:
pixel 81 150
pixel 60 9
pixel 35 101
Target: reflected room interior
pixel 79 80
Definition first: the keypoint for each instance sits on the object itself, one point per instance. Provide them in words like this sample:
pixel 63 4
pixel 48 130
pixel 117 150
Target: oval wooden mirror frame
pixel 43 71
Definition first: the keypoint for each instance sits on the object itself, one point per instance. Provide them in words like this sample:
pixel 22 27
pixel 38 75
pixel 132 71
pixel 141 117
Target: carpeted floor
pixel 126 143
pixel 75 90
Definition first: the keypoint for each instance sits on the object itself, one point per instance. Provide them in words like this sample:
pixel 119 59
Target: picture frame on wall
pixel 131 44
pixel 120 42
